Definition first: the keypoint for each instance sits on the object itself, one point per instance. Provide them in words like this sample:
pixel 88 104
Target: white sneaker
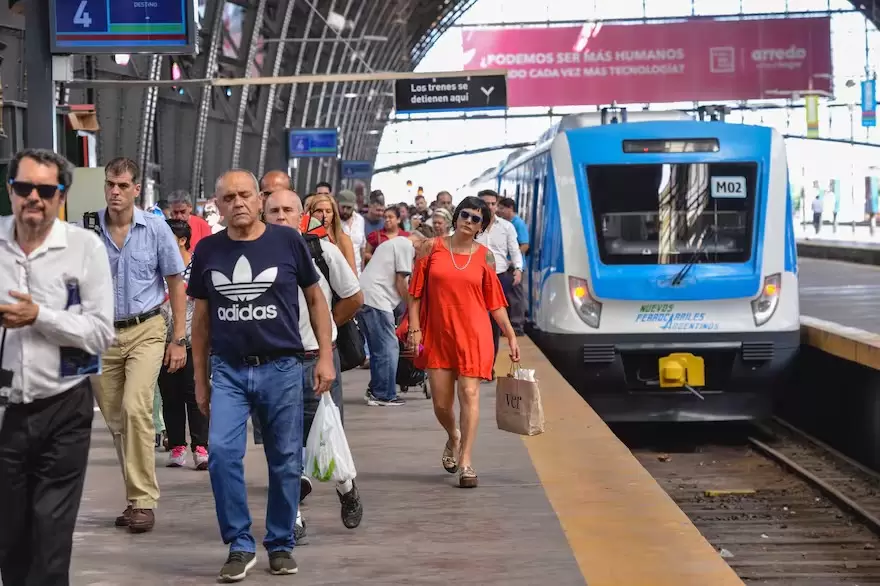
pixel 200 457
pixel 177 457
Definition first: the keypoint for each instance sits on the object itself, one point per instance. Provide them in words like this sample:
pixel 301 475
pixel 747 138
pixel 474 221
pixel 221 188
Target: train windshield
pixel 673 213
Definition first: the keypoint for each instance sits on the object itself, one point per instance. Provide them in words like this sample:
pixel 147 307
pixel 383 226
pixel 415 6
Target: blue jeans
pixel 275 391
pixel 378 329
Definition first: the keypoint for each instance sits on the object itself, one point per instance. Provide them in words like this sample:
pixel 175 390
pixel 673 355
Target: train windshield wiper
pixel 679 277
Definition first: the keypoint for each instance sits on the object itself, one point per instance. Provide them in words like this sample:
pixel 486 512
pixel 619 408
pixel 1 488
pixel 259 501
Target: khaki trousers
pixel 125 396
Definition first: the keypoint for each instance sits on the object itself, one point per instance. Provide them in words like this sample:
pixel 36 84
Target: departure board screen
pixel 122 26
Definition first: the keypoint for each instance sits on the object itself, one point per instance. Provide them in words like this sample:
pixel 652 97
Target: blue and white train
pixel 662 275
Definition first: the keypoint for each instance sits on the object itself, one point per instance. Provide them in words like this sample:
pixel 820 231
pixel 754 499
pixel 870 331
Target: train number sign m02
pixel 450 94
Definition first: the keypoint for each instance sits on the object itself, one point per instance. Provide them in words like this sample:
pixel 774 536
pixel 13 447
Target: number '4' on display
pixel 82 15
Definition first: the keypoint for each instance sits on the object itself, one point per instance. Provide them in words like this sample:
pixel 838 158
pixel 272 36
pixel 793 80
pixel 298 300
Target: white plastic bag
pixel 327 454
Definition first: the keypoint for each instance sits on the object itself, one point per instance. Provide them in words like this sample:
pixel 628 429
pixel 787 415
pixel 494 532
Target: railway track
pixel 780 507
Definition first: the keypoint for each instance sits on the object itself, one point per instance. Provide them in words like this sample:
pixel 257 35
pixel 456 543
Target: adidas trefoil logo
pixel 245 287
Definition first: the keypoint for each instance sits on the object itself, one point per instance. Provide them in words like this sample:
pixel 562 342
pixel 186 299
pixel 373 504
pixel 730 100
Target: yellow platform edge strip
pixel 851 344
pixel 622 527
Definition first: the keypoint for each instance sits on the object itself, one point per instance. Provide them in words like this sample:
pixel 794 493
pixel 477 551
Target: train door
pixel 536 237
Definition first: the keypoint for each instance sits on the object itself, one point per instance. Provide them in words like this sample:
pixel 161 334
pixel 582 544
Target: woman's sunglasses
pixel 24 189
pixel 469 217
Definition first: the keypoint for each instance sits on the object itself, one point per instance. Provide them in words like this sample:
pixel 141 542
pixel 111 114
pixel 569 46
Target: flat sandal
pixel 467 477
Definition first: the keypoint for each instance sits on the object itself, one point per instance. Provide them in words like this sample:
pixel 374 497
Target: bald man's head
pixel 283 208
pixel 275 181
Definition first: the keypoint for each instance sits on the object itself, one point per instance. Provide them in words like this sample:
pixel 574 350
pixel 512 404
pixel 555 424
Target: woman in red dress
pixel 453 290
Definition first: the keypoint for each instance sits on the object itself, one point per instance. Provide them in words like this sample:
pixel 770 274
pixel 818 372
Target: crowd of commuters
pixel 249 316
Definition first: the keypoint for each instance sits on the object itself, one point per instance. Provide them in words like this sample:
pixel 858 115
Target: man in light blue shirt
pixel 143 253
pixel 507 209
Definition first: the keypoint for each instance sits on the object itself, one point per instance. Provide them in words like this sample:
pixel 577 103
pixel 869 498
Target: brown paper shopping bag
pixel 518 407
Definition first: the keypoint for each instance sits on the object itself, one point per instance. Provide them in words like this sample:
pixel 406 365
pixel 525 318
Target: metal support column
pixel 273 89
pixel 310 88
pixel 329 175
pixel 216 20
pixel 148 117
pixel 40 128
pixel 245 89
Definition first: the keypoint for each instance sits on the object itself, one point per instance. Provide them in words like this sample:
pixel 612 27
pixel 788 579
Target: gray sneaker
pixel 237 565
pixel 281 563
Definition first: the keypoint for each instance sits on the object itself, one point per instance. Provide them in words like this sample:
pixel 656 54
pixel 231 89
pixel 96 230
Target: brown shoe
pixel 124 519
pixel 142 521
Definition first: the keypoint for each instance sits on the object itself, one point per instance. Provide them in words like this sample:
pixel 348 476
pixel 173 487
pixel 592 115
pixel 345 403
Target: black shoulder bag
pixel 349 339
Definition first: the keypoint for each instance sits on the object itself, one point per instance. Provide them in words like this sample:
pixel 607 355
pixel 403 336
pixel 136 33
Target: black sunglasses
pixel 469 217
pixel 24 189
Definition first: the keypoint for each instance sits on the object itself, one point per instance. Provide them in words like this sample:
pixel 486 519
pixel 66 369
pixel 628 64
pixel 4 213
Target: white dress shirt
pixel 354 227
pixel 33 353
pixel 501 239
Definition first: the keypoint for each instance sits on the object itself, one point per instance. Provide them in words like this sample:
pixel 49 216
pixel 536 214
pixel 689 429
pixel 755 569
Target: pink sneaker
pixel 177 457
pixel 201 458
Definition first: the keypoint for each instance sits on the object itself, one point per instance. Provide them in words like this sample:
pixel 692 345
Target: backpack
pixel 349 339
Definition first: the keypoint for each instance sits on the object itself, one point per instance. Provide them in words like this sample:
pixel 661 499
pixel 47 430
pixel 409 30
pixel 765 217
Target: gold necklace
pixel 452 256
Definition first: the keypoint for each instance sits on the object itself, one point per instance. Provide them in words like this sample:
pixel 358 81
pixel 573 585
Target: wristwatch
pixel 179 341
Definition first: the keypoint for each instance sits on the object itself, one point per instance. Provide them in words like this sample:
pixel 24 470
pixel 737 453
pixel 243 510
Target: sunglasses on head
pixel 24 189
pixel 469 217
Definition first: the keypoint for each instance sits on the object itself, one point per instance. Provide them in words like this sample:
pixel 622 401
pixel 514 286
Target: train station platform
pixel 571 506
pixel 840 292
pixel 844 245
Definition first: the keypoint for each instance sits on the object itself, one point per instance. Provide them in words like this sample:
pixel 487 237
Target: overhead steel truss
pixel 378 35
pixel 304 38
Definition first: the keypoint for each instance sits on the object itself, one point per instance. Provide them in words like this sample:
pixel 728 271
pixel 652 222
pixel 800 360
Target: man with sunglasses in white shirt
pixel 56 308
pixel 500 237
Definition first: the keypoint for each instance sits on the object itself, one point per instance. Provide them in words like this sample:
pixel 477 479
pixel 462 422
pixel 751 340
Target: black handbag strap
pixel 317 253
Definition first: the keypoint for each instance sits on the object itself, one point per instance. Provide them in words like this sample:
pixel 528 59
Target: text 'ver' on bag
pixel 518 407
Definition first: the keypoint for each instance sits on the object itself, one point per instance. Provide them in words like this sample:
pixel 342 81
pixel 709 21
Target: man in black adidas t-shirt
pixel 245 281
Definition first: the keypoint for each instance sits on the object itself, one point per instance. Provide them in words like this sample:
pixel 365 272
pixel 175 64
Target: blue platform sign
pixel 305 143
pixel 122 26
pixel 356 170
pixel 869 103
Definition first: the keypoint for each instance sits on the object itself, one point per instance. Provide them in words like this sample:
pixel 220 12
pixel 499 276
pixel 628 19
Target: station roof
pixel 335 36
pixel 870 8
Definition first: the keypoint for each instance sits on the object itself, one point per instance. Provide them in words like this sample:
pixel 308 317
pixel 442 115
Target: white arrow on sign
pixel 488 92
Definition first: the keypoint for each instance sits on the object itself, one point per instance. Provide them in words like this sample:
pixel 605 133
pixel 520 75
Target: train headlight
pixel 765 305
pixel 588 309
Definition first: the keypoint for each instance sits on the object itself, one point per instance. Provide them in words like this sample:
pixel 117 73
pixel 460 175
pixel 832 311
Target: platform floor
pixel 418 528
pixel 841 292
pixel 569 507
